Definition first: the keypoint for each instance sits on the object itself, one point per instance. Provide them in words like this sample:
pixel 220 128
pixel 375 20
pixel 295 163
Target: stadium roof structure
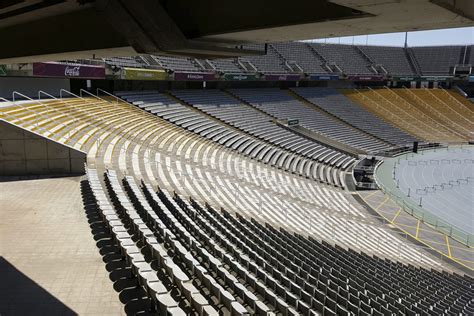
pixel 72 29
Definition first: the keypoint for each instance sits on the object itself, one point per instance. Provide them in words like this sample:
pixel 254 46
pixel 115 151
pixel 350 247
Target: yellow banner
pixel 143 74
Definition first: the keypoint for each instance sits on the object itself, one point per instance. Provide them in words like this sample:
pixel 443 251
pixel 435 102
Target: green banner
pixel 293 122
pixel 3 70
pixel 422 78
pixel 143 74
pixel 435 78
pixel 405 78
pixel 240 77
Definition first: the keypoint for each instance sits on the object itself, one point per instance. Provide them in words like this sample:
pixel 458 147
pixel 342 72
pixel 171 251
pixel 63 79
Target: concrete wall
pixel 31 86
pixel 25 153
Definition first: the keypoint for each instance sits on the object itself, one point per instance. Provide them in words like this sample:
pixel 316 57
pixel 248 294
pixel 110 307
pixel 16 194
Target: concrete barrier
pixel 24 153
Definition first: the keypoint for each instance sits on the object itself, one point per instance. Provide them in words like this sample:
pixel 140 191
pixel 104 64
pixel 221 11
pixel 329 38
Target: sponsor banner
pixel 293 122
pixel 435 78
pixel 68 71
pixel 366 78
pixel 143 74
pixel 194 76
pixel 405 78
pixel 3 70
pixel 323 77
pixel 282 77
pixel 240 77
pixel 471 78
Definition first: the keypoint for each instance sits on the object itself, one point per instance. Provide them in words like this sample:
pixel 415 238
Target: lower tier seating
pixel 191 258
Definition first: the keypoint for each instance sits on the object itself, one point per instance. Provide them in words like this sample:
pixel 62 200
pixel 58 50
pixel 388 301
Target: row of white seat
pixel 319 164
pixel 281 105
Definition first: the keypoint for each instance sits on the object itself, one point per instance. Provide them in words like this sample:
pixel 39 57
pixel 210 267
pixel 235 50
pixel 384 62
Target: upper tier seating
pixel 279 104
pixel 178 63
pixel 269 63
pixel 437 60
pixel 318 58
pixel 133 62
pixel 302 54
pixel 338 105
pixel 226 65
pixel 393 59
pixel 220 262
pixel 221 133
pixel 345 56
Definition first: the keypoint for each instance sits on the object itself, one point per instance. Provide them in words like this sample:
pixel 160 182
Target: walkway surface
pixel 444 181
pixel 50 264
pixel 427 235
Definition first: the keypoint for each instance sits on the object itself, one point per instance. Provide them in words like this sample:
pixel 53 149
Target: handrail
pixel 16 118
pixel 56 98
pixel 39 114
pixel 92 95
pixel 423 115
pixel 430 108
pixel 81 91
pixel 453 98
pixel 448 107
pixel 39 128
pixel 398 107
pixel 109 94
pixel 68 115
pixel 40 92
pixel 68 92
pixel 60 100
pixel 379 107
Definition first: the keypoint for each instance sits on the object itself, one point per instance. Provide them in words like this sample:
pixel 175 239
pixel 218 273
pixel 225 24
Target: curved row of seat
pixel 190 257
pixel 323 165
pixel 222 106
pixel 119 136
pixel 279 104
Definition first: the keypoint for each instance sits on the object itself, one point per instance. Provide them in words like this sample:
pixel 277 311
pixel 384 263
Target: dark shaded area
pixel 247 14
pixel 19 295
pixel 133 297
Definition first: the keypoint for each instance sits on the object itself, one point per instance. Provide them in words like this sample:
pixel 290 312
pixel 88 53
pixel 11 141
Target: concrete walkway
pixel 50 264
